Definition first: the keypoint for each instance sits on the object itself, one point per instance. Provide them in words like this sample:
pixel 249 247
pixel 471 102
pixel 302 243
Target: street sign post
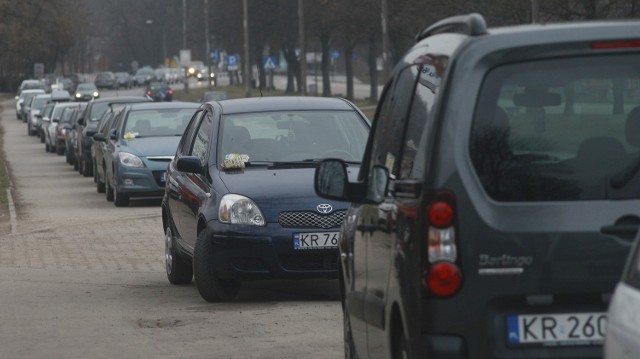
pixel 232 62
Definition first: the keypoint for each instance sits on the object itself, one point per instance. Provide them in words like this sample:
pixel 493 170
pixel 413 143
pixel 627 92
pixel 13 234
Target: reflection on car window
pixel 294 135
pixel 558 129
pixel 201 141
pixel 157 123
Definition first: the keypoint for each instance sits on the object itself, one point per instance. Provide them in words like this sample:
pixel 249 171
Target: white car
pixel 622 340
pixel 20 99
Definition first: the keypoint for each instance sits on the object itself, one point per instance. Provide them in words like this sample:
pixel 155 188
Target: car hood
pixel 280 189
pixel 151 146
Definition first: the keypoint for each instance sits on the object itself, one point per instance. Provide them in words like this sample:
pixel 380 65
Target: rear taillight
pixel 148 92
pixel 621 44
pixel 170 92
pixel 442 275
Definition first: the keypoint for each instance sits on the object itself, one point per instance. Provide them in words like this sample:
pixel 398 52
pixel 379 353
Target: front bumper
pixel 247 252
pixel 141 181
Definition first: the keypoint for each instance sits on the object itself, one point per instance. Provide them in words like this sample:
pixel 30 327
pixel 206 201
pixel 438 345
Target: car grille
pixel 309 261
pixel 311 219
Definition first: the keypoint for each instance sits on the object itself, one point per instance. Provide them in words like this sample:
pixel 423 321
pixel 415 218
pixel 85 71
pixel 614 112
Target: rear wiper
pixel 623 177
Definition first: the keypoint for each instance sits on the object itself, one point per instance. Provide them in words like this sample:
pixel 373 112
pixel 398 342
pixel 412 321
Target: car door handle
pixel 624 231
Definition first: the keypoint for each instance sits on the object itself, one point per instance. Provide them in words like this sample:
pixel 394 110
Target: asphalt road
pixel 80 278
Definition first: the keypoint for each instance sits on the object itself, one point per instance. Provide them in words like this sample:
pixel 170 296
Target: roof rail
pixel 471 24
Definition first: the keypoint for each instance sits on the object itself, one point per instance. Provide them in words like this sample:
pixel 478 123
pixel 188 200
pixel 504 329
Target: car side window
pixel 187 137
pixel 428 70
pixel 392 117
pixel 202 138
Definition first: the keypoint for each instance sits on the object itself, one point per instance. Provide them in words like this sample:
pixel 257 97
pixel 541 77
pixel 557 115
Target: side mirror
pixel 80 121
pixel 189 164
pixel 331 180
pixel 113 134
pixel 99 137
pixel 56 120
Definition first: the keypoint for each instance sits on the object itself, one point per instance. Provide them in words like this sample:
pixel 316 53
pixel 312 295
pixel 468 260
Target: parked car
pixel 21 98
pixel 68 84
pixel 88 124
pixel 30 84
pixel 124 79
pixel 86 92
pixel 99 147
pixel 106 80
pixel 159 91
pixel 62 128
pixel 213 96
pixel 71 136
pixel 240 204
pixel 143 139
pixel 36 105
pixel 498 195
pixel 143 76
pixel 44 118
pixel 51 127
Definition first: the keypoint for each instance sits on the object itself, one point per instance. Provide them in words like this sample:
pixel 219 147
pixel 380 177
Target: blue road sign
pixel 232 62
pixel 269 63
pixel 335 54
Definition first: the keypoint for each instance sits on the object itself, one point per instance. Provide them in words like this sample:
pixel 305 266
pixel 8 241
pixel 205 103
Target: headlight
pixel 78 95
pixel 96 94
pixel 129 160
pixel 238 209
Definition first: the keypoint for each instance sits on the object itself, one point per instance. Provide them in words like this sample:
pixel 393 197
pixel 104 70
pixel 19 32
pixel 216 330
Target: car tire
pixel 52 148
pixel 108 190
pixel 119 198
pixel 95 172
pixel 60 151
pixel 41 137
pixel 179 270
pixel 100 186
pixel 210 287
pixel 401 348
pixel 29 130
pixel 86 168
pixel 46 147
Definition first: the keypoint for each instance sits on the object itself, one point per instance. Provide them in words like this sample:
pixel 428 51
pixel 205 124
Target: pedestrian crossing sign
pixel 269 63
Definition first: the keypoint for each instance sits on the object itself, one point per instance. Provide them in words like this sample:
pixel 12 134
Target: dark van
pixel 498 196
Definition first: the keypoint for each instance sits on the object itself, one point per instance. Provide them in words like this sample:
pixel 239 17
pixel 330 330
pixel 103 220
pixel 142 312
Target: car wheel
pixel 179 271
pixel 401 347
pixel 60 150
pixel 210 287
pixel 100 186
pixel 41 137
pixel 95 172
pixel 46 147
pixel 52 148
pixel 86 168
pixel 120 199
pixel 29 132
pixel 108 189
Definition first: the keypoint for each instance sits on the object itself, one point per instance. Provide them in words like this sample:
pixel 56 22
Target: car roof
pixel 280 103
pixel 165 105
pixel 119 99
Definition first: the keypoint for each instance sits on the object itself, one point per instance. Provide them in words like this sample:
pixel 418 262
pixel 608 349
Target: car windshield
pixel 39 102
pixel 86 87
pixel 157 122
pixel 293 136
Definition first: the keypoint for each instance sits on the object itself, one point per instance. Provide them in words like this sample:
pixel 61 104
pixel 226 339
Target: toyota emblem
pixel 324 208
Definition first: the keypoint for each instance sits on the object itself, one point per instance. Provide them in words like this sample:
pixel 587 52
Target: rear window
pixel 559 130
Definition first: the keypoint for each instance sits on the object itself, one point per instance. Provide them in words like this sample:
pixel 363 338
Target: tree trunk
pixel 348 65
pixel 326 66
pixel 373 71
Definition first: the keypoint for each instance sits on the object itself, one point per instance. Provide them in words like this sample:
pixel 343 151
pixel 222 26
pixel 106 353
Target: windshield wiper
pixel 623 177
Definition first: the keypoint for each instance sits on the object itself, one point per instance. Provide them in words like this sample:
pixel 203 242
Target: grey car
pixel 498 196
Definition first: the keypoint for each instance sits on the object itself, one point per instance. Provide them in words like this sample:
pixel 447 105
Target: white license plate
pixel 557 329
pixel 316 240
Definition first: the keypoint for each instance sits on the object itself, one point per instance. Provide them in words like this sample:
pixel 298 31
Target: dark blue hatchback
pixel 239 201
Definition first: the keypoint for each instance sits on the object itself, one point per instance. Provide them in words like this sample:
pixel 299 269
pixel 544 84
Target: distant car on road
pixel 159 91
pixel 124 79
pixel 239 202
pixel 143 76
pixel 106 80
pixel 86 92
